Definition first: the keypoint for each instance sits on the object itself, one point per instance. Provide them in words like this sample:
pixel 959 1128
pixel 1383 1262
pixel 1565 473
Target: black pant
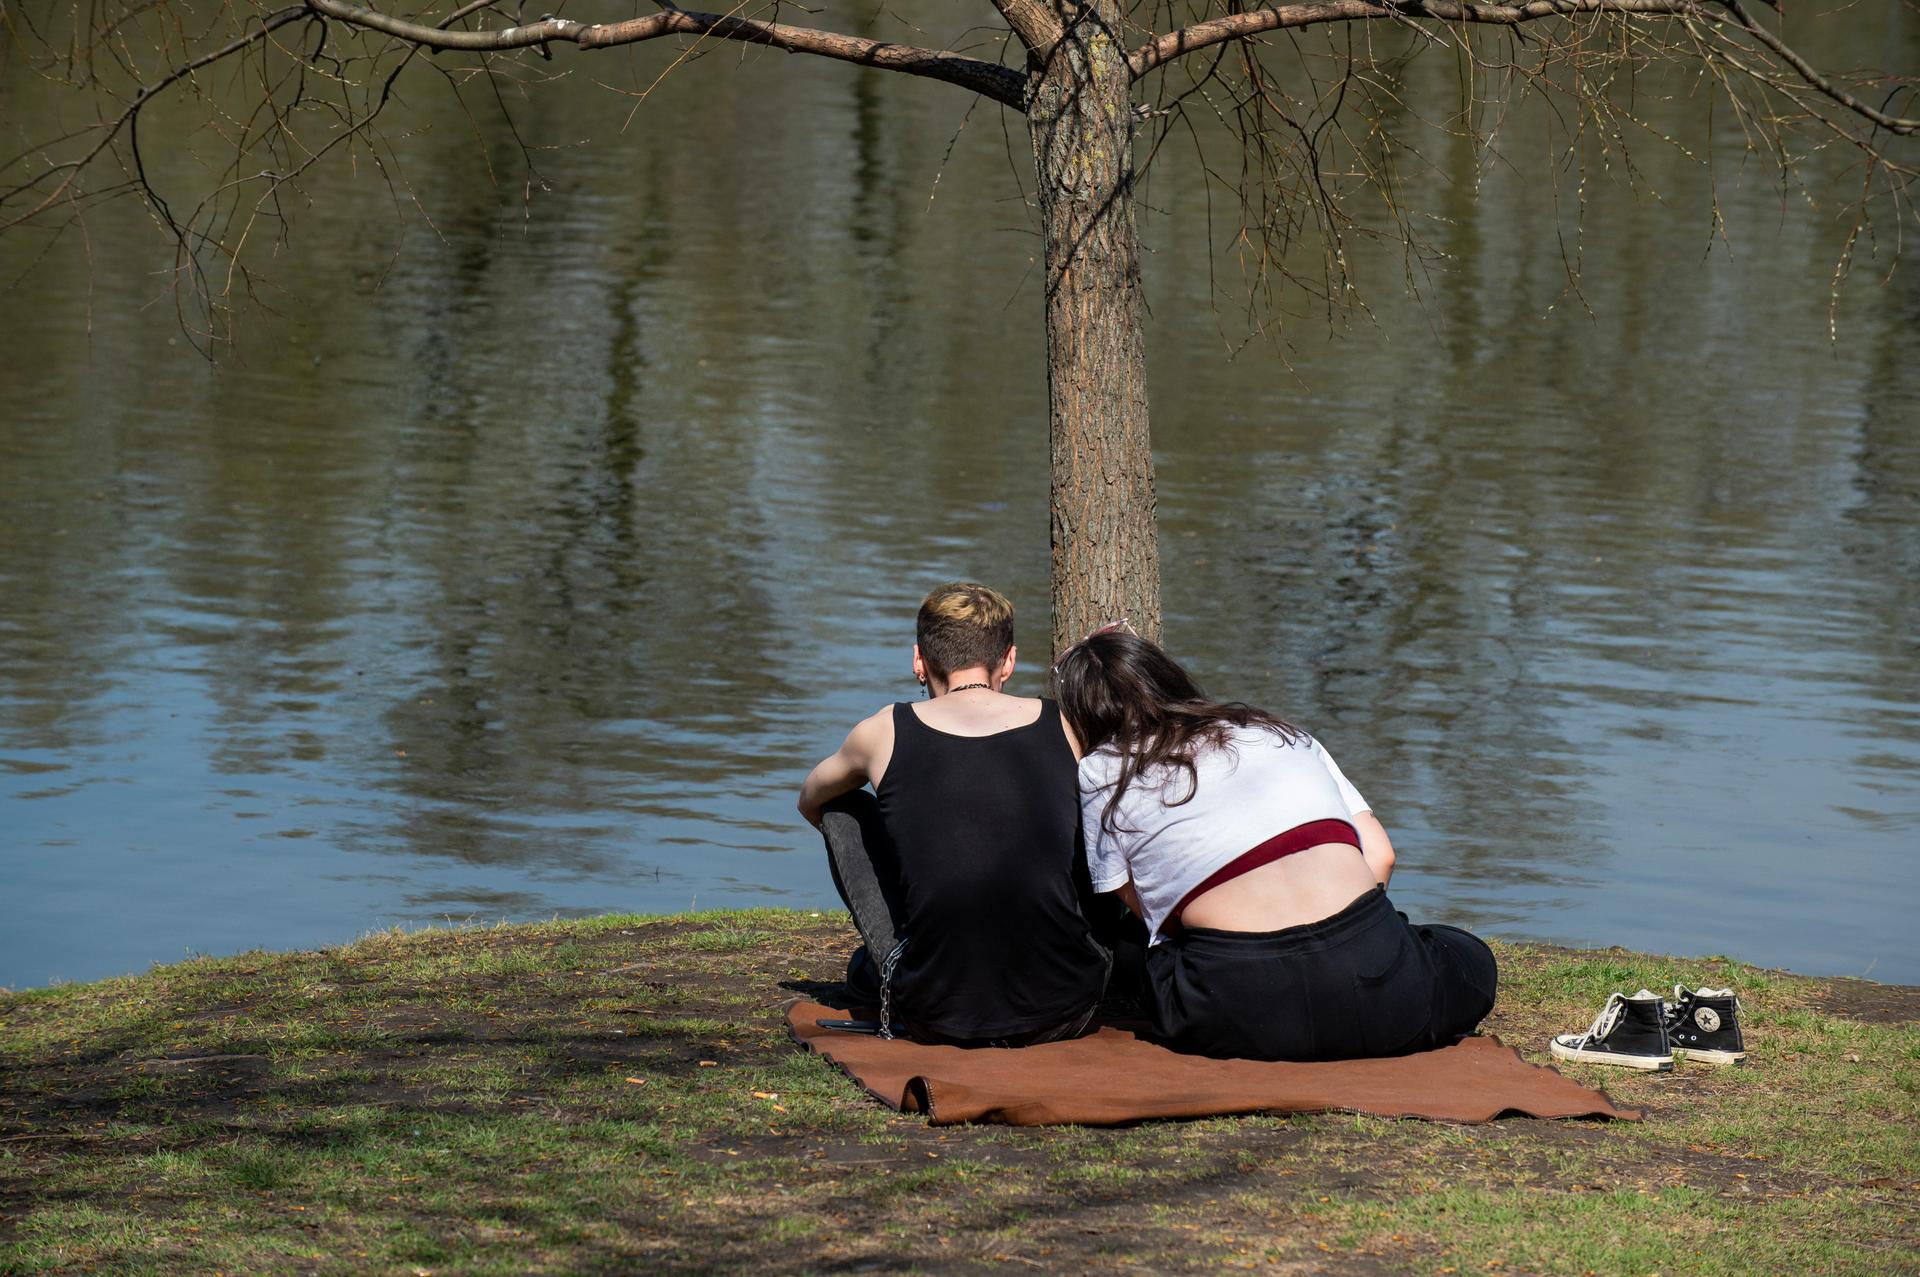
pixel 866 873
pixel 1362 983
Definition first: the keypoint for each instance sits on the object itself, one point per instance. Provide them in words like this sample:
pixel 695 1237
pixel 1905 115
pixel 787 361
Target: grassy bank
pixel 619 1095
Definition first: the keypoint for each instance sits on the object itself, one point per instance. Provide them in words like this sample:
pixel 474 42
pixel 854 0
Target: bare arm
pixel 847 768
pixel 1374 845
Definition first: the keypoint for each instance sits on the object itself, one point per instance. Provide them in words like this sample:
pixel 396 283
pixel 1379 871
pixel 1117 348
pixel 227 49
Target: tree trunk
pixel 1106 562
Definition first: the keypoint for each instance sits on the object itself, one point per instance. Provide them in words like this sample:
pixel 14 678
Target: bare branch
pixel 1236 26
pixel 1325 158
pixel 145 93
pixel 1807 72
pixel 989 79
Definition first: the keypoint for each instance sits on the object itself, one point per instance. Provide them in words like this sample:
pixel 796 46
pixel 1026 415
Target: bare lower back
pixel 1304 887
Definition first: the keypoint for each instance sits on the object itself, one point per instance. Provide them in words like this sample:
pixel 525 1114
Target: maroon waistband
pixel 1299 838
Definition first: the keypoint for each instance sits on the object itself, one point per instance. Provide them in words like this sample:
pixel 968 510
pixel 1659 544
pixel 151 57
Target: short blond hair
pixel 963 624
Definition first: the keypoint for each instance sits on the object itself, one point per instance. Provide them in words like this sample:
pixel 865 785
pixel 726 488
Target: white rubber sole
pixel 1648 1063
pixel 1693 1056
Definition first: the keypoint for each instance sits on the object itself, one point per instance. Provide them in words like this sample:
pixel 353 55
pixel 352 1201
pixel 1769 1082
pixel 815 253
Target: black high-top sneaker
pixel 1703 1025
pixel 1629 1031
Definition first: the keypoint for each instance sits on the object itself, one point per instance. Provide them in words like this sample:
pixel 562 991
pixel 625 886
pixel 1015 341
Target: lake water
pixel 521 564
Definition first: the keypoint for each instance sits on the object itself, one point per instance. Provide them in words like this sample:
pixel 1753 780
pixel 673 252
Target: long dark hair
pixel 1119 689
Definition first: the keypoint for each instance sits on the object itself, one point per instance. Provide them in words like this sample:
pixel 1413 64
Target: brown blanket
pixel 1113 1077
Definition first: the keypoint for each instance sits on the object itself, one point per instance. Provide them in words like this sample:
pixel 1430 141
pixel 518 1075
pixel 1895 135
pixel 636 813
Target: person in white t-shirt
pixel 1258 870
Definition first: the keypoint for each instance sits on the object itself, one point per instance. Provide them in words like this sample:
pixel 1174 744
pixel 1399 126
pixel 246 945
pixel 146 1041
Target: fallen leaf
pixel 766 1095
pixel 638 1081
pixel 709 1064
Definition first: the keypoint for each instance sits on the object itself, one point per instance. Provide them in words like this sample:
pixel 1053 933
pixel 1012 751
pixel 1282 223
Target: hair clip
pixel 1110 627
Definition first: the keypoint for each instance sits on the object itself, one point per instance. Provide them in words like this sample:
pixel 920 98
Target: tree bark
pixel 1106 562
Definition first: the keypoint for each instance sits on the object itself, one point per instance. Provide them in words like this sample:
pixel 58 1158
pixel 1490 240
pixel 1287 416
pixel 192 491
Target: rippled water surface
pixel 521 564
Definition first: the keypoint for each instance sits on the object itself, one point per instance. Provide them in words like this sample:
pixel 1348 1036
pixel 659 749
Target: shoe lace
pixel 1677 1009
pixel 1609 1016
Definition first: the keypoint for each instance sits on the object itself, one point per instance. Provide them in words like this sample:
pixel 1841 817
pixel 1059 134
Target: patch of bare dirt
pixel 1869 1002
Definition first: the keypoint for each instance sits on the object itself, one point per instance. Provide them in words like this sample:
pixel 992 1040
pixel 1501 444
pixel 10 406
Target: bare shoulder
pixel 870 739
pixel 875 726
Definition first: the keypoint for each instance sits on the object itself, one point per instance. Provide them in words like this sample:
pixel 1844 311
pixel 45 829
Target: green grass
pixel 724 938
pixel 618 1094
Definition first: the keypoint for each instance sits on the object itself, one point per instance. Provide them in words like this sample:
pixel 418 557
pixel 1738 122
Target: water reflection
pixel 522 572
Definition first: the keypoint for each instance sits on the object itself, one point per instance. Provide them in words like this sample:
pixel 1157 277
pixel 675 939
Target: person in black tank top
pixel 964 871
pixel 984 832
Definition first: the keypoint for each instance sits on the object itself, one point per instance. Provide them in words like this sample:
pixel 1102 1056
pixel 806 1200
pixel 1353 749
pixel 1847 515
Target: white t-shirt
pixel 1242 796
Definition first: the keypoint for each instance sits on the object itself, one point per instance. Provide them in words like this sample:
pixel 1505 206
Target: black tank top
pixel 986 829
